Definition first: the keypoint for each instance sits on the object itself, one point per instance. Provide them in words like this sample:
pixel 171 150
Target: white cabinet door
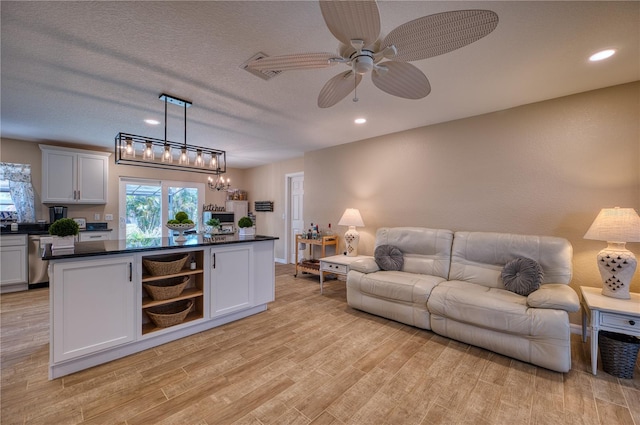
pixel 93 305
pixel 58 176
pixel 231 284
pixel 239 208
pixel 74 175
pixel 93 171
pixel 13 260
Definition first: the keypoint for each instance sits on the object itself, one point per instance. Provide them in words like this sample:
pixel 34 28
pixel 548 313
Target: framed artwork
pixel 82 222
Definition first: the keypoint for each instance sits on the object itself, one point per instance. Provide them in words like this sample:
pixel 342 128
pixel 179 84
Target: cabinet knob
pixel 632 322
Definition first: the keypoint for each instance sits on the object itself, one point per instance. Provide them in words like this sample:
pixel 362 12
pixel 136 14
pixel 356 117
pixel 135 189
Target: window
pixel 16 193
pixel 146 205
pixel 6 203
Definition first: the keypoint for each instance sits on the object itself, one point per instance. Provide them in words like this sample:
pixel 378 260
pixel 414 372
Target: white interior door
pixel 296 216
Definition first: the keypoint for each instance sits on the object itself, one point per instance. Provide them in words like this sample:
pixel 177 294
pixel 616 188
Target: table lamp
pixel 616 264
pixel 351 218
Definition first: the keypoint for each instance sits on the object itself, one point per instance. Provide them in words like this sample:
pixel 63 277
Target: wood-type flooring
pixel 309 359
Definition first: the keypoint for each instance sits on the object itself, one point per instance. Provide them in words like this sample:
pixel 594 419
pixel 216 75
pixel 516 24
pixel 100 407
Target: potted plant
pixel 245 225
pixel 64 232
pixel 213 225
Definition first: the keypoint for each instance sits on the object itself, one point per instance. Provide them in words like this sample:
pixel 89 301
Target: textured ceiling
pixel 81 72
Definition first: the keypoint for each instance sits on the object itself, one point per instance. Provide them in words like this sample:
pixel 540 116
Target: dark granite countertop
pixel 97 248
pixel 35 229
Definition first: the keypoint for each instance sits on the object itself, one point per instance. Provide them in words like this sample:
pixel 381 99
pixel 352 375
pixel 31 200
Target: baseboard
pixel 280 260
pixel 576 329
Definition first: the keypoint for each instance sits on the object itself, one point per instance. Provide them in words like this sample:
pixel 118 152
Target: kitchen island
pixel 105 302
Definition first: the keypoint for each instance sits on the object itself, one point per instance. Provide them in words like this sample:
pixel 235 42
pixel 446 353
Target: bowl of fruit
pixel 180 223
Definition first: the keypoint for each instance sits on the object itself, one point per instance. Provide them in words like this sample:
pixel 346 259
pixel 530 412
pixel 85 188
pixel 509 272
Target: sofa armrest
pixel 554 296
pixel 365 265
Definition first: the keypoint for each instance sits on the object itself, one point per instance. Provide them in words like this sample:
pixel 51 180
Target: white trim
pixel 577 329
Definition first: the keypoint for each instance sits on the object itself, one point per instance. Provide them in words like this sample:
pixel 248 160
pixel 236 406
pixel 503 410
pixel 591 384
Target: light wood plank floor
pixel 309 359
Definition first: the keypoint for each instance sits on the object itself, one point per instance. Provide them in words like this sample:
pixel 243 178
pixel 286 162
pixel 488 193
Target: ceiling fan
pixel 356 24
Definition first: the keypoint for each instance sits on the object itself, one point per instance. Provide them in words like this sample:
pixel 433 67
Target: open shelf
pixel 151 327
pixel 322 242
pixel 186 294
pixel 194 290
pixel 183 272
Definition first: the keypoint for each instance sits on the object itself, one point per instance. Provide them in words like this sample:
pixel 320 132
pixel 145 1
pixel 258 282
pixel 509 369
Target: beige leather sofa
pixel 451 283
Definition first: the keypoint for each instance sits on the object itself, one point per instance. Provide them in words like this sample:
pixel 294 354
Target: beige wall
pixel 545 168
pixel 267 183
pixel 29 153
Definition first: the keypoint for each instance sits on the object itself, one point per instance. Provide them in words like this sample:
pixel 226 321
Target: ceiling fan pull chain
pixel 355 88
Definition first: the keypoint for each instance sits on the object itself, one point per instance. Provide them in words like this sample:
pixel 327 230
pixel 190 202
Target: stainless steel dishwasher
pixel 37 266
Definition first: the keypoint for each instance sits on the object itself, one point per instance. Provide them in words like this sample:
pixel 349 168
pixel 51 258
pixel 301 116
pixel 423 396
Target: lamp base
pixel 617 266
pixel 352 237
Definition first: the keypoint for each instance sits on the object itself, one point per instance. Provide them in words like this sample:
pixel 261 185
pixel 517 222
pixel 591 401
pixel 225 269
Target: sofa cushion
pixel 555 296
pixel 388 257
pixel 478 257
pixel 522 275
pixel 493 308
pixel 397 285
pixel 425 251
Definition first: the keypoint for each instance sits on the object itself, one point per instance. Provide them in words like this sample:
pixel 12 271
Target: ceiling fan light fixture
pixel 601 55
pixel 362 64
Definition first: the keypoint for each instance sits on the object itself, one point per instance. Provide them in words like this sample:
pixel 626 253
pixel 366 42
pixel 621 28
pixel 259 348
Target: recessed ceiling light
pixel 152 122
pixel 360 120
pixel 604 54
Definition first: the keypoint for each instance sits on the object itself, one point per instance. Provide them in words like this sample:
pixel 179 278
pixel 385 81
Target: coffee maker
pixel 56 213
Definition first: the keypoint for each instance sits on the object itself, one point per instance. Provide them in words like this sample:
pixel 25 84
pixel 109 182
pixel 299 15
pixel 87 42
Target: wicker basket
pixel 159 266
pixel 619 353
pixel 169 314
pixel 166 288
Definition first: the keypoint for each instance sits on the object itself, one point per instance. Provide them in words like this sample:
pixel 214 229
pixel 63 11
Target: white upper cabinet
pixel 74 175
pixel 239 208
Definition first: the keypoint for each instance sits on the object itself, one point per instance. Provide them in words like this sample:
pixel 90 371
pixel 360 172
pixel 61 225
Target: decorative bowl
pixel 180 228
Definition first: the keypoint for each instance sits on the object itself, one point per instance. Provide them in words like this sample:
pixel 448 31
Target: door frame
pixel 288 242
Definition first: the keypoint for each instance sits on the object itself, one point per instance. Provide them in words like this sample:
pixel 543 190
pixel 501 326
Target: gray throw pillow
pixel 388 257
pixel 522 275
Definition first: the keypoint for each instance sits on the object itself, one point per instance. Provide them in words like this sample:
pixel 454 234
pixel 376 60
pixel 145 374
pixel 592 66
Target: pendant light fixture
pixel 145 151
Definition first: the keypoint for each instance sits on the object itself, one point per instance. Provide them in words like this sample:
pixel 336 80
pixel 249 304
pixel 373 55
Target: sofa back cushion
pixel 478 257
pixel 425 251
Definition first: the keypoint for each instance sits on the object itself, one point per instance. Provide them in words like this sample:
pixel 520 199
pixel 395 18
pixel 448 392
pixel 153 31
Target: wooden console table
pixel 323 242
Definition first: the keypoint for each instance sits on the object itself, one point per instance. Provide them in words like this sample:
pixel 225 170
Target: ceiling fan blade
pixel 352 20
pixel 403 80
pixel 338 88
pixel 295 61
pixel 434 35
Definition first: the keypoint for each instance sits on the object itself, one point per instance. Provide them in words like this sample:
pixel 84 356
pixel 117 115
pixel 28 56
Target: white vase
pixel 60 242
pixel 246 231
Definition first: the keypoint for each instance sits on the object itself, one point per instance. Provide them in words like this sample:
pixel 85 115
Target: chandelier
pixel 144 151
pixel 219 184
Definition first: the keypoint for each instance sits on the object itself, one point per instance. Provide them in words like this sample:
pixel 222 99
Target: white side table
pixel 336 264
pixel 608 314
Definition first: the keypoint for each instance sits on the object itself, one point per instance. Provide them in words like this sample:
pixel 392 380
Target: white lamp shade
pixel 351 217
pixel 615 225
